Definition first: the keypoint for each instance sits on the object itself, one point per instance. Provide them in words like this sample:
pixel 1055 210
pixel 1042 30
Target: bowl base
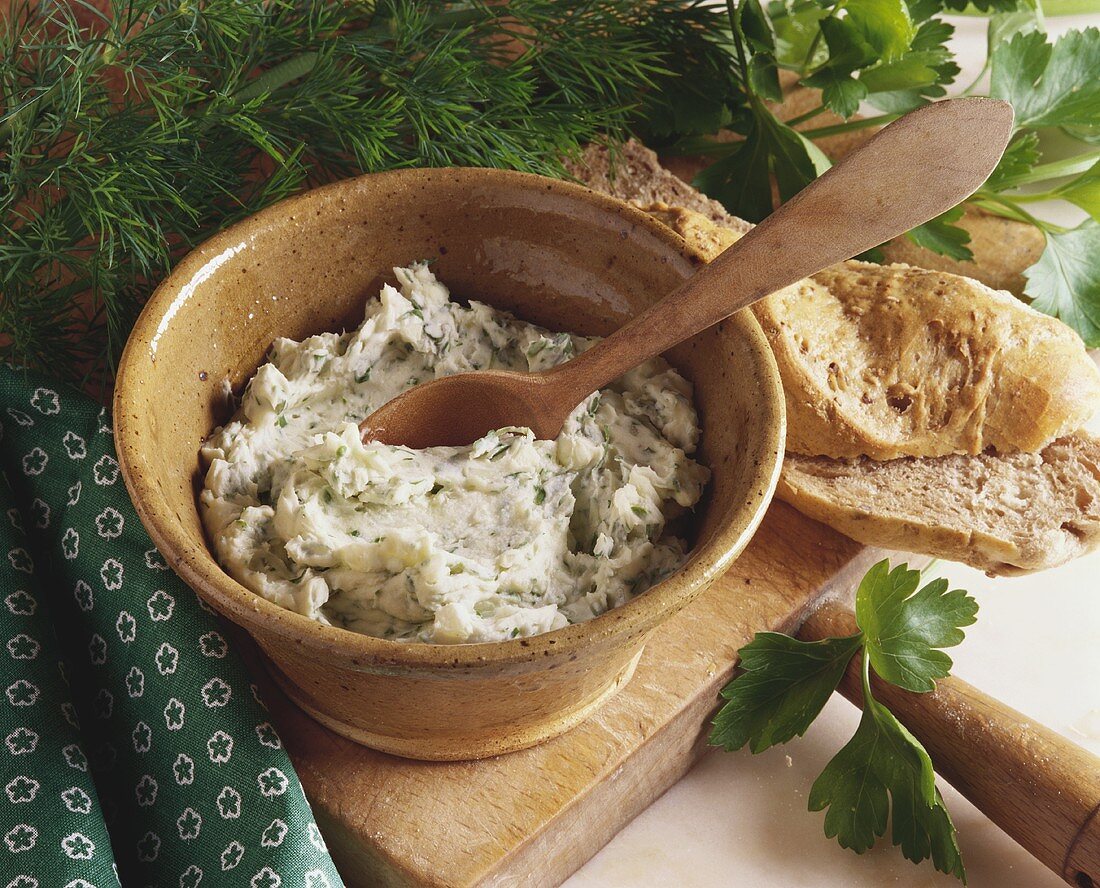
pixel 452 749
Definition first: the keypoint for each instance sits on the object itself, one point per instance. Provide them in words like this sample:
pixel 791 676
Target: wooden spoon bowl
pixel 553 253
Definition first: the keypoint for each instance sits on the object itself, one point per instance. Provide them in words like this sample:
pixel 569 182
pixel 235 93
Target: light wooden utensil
pixel 913 170
pixel 1039 787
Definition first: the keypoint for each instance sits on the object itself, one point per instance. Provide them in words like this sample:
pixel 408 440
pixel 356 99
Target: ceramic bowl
pixel 553 253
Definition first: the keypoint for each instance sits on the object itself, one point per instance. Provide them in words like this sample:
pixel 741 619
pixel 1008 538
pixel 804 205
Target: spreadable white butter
pixel 508 537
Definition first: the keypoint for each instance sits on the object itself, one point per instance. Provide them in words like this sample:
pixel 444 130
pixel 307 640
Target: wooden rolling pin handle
pixel 1040 788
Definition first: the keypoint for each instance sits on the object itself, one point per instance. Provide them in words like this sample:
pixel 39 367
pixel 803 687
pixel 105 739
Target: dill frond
pixel 128 136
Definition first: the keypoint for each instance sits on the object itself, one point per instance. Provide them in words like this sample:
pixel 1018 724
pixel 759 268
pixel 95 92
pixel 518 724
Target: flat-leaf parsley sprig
pixel 893 56
pixel 883 773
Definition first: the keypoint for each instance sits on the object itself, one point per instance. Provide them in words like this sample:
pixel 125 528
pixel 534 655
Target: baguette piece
pixel 891 361
pixel 948 506
pixel 1007 515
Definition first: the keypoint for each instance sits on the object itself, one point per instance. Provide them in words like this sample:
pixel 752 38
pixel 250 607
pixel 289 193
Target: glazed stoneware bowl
pixel 553 253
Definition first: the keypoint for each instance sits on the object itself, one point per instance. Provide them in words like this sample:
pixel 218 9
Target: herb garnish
pixel 893 55
pixel 883 772
pixel 129 134
pixel 132 130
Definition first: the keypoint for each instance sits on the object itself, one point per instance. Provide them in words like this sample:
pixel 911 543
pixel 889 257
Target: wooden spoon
pixel 911 171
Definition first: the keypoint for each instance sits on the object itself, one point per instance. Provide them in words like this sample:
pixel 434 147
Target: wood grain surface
pixel 533 817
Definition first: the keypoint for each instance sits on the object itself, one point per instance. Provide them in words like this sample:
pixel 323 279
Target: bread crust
pixel 891 361
pixel 980 370
pixel 633 173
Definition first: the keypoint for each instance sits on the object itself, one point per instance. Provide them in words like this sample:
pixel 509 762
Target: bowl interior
pixel 555 254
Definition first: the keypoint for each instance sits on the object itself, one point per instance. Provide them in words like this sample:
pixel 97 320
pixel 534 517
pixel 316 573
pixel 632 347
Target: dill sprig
pixel 131 132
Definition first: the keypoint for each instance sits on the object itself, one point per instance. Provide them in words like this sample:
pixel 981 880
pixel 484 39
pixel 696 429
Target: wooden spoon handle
pixel 909 172
pixel 1040 788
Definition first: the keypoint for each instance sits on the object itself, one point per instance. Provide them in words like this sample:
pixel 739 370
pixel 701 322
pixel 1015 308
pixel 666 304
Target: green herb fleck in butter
pixel 505 538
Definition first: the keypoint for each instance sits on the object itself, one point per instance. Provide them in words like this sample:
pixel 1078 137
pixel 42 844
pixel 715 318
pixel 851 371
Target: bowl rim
pixel 255 613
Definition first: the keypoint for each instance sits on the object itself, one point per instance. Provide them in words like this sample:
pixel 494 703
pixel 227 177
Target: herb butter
pixel 508 537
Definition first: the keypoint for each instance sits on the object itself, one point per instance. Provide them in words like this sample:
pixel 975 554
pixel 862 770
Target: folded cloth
pixel 135 748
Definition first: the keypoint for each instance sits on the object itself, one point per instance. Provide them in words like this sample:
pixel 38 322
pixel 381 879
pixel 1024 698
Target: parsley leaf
pixel 796 31
pixel 757 30
pixel 882 764
pixel 684 107
pixel 943 236
pixel 1049 85
pixel 741 180
pixel 1084 191
pixel 1004 25
pixel 929 64
pixel 849 50
pixel 841 93
pixel 981 5
pixel 884 24
pixel 883 773
pixel 903 631
pixel 785 684
pixel 1019 157
pixel 911 72
pixel 888 52
pixel 1065 282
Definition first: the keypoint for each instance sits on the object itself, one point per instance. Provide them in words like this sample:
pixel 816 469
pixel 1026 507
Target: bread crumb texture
pixel 1005 514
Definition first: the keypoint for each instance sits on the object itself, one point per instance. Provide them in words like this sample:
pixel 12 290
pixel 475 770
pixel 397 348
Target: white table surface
pixel 741 820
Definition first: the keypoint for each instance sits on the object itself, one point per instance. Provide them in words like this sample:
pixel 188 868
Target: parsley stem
pixel 851 125
pixel 977 80
pixel 802 118
pixel 865 676
pixel 817 37
pixel 739 46
pixel 691 145
pixel 708 145
pixel 1055 169
pixel 816 42
pixel 1008 207
pixel 1035 196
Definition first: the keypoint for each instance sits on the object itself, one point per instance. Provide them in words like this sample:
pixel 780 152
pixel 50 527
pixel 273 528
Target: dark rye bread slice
pixel 1006 515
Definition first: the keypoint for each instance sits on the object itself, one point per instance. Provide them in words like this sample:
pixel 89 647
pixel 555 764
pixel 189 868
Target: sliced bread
pixel 891 361
pixel 1009 514
pixel 950 506
pixel 632 172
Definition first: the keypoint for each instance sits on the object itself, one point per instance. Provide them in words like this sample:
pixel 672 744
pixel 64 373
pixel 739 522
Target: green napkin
pixel 135 747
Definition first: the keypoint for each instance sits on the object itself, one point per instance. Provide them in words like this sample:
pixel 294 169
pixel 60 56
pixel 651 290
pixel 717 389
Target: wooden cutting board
pixel 533 817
